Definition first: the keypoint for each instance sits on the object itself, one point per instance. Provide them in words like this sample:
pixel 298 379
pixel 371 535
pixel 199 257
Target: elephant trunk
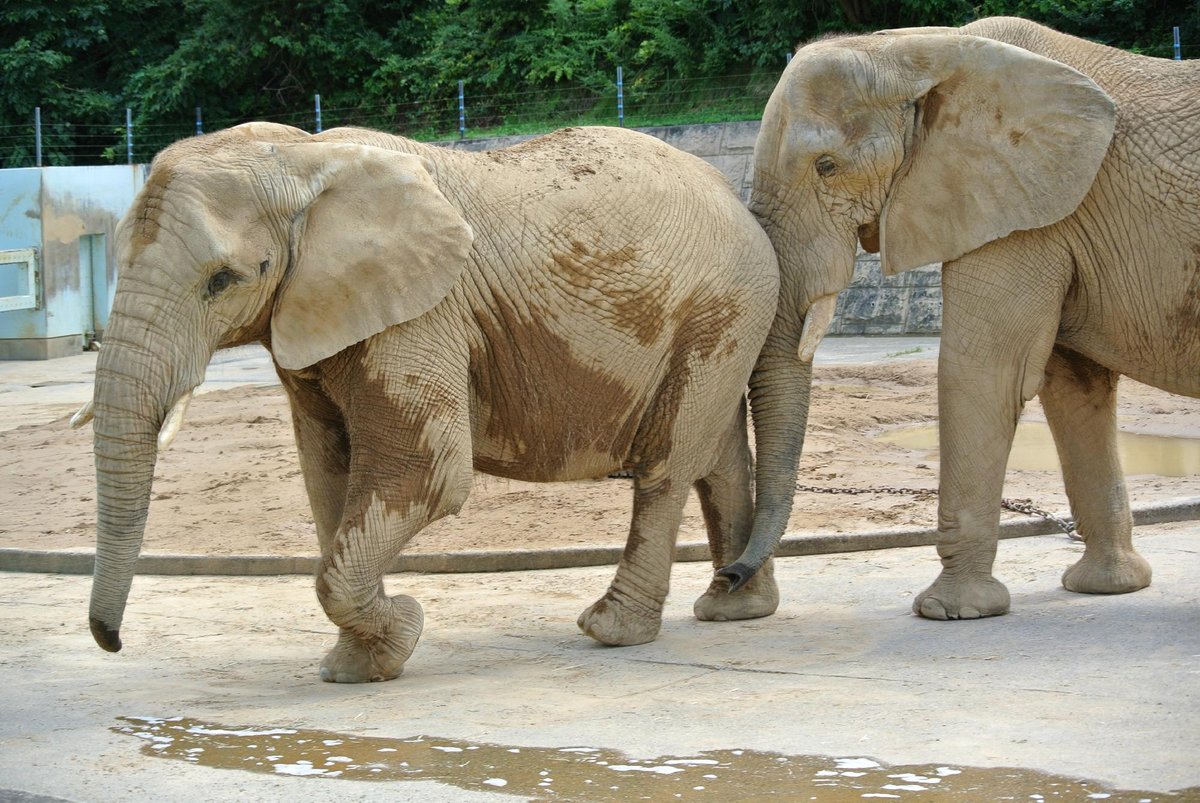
pixel 135 388
pixel 779 398
pixel 812 272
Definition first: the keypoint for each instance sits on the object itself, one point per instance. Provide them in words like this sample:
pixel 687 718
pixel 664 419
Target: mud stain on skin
pixel 934 114
pixel 405 470
pixel 1185 319
pixel 714 524
pixel 703 325
pixel 1087 374
pixel 583 773
pixel 614 274
pixel 394 461
pixel 150 209
pixel 640 315
pixel 541 405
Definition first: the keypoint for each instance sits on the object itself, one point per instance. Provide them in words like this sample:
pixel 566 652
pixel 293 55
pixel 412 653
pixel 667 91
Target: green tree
pixel 45 52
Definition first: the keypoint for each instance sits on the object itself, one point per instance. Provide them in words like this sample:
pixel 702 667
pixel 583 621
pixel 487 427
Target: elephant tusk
pixel 170 427
pixel 816 324
pixel 85 414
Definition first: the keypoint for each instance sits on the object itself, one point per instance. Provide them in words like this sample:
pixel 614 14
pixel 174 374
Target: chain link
pixel 1015 505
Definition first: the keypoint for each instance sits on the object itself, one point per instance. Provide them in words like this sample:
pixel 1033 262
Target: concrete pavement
pixel 843 694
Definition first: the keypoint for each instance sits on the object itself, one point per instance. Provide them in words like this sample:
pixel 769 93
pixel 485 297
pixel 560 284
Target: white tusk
pixel 85 414
pixel 170 427
pixel 816 324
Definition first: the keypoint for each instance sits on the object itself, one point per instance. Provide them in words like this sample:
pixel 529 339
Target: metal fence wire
pixel 44 140
pixel 630 101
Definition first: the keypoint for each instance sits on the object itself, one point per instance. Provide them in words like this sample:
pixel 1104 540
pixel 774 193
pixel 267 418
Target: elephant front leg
pixel 976 426
pixel 631 611
pixel 407 469
pixel 377 633
pixel 1000 316
pixel 728 507
pixel 1080 400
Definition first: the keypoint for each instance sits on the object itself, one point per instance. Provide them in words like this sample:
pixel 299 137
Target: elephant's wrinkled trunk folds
pixel 812 272
pixel 779 394
pixel 135 387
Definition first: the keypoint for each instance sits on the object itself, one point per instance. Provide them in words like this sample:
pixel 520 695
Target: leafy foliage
pixel 396 64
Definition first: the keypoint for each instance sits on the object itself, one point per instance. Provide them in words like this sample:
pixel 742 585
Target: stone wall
pixel 910 303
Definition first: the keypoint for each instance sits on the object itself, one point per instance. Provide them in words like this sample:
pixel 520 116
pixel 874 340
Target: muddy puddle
pixel 581 773
pixel 1033 449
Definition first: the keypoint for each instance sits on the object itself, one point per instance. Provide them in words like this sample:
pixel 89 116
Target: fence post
pixel 199 122
pixel 788 59
pixel 462 113
pixel 620 98
pixel 317 99
pixel 37 135
pixel 1178 55
pixel 128 135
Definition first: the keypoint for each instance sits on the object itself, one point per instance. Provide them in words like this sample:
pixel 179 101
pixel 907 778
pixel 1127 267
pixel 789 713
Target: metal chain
pixel 1016 505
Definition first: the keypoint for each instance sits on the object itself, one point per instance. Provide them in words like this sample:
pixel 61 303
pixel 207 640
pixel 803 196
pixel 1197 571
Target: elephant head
pixel 257 233
pixel 922 145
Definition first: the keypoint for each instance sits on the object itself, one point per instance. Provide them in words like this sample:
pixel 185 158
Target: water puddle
pixel 594 774
pixel 1033 449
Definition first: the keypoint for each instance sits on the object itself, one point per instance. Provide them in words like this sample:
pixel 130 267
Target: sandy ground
pixel 231 483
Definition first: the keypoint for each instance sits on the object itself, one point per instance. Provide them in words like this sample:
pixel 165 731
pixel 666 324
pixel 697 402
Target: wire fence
pixel 635 103
pixel 44 140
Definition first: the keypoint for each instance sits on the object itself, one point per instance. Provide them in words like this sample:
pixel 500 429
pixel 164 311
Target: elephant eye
pixel 220 282
pixel 826 166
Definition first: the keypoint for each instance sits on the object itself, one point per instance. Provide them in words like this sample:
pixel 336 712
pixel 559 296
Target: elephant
pixel 588 302
pixel 1058 181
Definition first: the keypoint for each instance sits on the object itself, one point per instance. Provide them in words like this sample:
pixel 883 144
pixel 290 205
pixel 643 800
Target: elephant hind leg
pixel 728 507
pixel 630 612
pixel 1080 400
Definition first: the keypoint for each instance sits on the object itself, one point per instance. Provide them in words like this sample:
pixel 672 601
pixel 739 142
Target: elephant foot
pixel 617 621
pixel 1118 572
pixel 971 597
pixel 758 598
pixel 376 656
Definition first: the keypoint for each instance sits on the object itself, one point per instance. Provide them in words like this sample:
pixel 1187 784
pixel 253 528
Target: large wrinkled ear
pixel 1003 140
pixel 378 245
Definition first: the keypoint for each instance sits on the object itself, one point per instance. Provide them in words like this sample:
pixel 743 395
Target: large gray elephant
pixel 586 302
pixel 1059 183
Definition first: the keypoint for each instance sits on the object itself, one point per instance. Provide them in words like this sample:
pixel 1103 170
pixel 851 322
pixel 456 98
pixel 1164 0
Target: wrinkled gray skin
pixel 586 302
pixel 1059 182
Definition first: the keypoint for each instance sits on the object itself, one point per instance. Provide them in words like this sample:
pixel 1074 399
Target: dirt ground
pixel 231 482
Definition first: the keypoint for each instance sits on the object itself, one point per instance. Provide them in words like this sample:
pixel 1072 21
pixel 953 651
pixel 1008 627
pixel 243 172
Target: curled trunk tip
pixel 108 638
pixel 738 574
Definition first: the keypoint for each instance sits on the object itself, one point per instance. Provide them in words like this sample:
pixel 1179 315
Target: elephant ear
pixel 377 245
pixel 1004 140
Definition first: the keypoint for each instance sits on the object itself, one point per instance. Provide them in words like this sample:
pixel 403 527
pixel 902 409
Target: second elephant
pixel 586 302
pixel 1059 182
